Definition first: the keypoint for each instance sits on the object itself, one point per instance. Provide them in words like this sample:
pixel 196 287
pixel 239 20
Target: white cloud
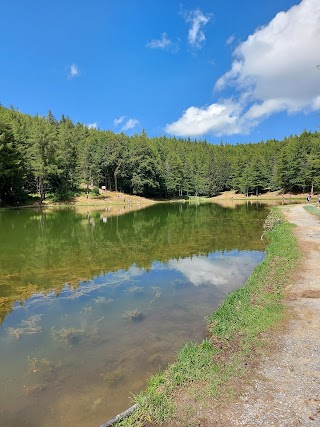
pixel 277 64
pixel 219 119
pixel 74 71
pixel 230 39
pixel 135 271
pixel 163 43
pixel 92 125
pixel 218 270
pixel 274 70
pixel 126 124
pixel 130 124
pixel 118 121
pixel 198 20
pixel 316 103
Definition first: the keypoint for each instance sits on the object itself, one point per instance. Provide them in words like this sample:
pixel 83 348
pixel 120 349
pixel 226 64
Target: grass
pixel 313 209
pixel 234 332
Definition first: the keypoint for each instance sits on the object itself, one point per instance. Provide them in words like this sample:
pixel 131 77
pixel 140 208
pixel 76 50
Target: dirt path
pixel 285 388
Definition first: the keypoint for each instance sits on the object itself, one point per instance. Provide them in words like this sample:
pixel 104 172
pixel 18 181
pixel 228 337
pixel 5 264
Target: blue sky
pixel 237 71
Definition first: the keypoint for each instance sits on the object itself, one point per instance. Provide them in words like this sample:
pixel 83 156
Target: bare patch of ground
pixel 106 198
pixel 231 199
pixel 281 383
pixel 232 194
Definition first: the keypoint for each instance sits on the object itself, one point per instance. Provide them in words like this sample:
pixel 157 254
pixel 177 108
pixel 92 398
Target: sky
pixel 221 70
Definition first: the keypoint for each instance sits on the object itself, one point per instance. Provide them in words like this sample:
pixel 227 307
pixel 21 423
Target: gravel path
pixel 285 390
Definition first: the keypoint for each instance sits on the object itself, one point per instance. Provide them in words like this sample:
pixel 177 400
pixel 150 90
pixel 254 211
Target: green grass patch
pixel 234 332
pixel 313 209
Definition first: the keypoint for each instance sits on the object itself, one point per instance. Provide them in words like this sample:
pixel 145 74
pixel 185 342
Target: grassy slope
pixel 313 209
pixel 234 332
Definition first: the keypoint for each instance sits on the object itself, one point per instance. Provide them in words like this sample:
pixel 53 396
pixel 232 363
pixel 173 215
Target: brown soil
pixel 106 198
pixel 269 195
pixel 113 198
pixel 231 199
pixel 111 202
pixel 281 385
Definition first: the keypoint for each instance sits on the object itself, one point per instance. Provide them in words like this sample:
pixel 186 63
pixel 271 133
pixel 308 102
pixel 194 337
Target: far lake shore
pixel 118 199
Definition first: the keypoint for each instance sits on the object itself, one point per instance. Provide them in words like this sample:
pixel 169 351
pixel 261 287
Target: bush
pixel 62 196
pixel 95 191
pixel 273 219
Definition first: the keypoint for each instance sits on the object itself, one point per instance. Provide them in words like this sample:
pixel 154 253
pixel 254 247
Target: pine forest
pixel 51 158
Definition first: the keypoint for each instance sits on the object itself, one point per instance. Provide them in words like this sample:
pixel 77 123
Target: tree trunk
pixel 115 182
pixel 41 188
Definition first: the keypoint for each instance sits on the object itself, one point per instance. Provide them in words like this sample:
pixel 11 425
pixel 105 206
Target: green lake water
pixel 72 283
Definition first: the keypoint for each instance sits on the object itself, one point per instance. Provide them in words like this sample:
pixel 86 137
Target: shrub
pixel 95 191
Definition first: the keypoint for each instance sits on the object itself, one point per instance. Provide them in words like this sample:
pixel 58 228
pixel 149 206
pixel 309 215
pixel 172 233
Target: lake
pixel 92 302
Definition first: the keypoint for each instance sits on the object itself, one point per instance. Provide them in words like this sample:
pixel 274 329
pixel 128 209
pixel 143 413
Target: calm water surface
pixel 92 304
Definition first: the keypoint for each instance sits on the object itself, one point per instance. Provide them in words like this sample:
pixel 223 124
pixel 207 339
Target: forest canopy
pixel 44 155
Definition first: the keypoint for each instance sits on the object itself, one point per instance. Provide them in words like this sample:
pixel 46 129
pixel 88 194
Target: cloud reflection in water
pixel 225 271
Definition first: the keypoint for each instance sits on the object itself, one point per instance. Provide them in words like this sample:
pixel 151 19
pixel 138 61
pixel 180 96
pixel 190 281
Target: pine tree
pixel 10 167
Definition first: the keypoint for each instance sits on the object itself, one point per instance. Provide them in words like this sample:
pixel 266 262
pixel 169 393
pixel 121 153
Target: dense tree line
pixel 45 155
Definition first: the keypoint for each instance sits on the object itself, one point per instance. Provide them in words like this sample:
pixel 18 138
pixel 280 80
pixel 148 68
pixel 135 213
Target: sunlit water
pixel 92 304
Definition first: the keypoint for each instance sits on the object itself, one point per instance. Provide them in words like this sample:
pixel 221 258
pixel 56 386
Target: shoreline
pixel 227 203
pixel 282 387
pixel 112 198
pixel 202 373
